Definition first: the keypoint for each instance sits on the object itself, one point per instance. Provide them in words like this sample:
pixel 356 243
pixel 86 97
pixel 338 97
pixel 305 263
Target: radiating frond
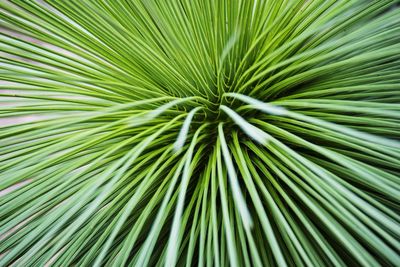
pixel 208 133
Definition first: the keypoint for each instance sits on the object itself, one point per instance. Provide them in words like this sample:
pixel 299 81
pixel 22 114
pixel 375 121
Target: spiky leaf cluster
pixel 209 133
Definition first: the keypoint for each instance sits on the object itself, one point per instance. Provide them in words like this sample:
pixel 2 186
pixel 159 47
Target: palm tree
pixel 209 133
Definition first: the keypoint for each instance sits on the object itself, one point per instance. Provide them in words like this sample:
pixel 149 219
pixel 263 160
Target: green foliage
pixel 218 133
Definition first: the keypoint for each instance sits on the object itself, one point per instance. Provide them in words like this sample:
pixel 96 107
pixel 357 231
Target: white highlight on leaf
pixel 252 131
pixel 228 46
pixel 174 240
pixel 158 111
pixel 277 110
pixel 345 130
pixel 180 141
pixel 257 104
pixel 237 193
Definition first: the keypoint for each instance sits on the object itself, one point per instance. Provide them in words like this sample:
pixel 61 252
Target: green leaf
pixel 199 133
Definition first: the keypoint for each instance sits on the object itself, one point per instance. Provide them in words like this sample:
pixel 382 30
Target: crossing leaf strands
pixel 208 133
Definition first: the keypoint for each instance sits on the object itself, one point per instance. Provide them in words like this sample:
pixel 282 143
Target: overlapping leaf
pixel 240 133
